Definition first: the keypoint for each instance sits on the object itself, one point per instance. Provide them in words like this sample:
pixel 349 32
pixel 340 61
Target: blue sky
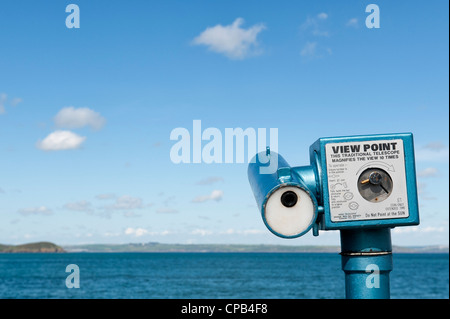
pixel 136 70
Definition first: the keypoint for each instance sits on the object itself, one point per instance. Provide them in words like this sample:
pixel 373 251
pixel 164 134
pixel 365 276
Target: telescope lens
pixel 289 199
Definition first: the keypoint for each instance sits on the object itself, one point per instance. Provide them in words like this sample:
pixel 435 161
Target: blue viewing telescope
pixel 360 185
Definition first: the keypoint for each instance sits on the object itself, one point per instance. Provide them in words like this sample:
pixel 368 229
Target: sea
pixel 207 276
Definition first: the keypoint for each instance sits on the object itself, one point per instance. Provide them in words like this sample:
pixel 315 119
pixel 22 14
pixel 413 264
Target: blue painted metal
pixel 317 155
pixel 366 244
pixel 307 175
pixel 263 185
pixel 366 261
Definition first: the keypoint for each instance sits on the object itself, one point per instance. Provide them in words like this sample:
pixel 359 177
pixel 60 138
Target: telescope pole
pixel 366 261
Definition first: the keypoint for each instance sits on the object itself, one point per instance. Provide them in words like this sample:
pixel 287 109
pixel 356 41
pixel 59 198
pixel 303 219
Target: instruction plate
pixel 351 195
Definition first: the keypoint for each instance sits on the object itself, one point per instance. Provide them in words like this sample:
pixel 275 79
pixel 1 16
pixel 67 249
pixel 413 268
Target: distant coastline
pixel 40 247
pixel 155 247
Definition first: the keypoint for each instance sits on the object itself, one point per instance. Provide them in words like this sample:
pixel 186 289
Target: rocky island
pixel 40 247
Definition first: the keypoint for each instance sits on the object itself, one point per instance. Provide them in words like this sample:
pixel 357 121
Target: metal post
pixel 367 261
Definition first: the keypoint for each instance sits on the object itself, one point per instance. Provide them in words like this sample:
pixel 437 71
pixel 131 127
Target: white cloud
pixel 216 195
pixel 353 22
pixel 201 199
pixel 428 172
pixel 201 232
pixel 229 231
pixel 435 146
pixel 15 101
pixel 231 40
pixel 232 231
pixel 127 202
pixel 253 232
pixel 432 152
pixel 61 140
pixel 70 117
pixel 210 180
pixel 312 28
pixel 309 49
pixel 111 234
pixel 315 26
pixel 166 210
pixel 81 206
pixel 322 16
pixel 312 49
pixel 42 210
pixel 130 215
pixel 106 196
pixel 419 229
pixel 136 232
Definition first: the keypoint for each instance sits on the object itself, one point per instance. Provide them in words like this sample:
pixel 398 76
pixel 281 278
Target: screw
pixel 375 178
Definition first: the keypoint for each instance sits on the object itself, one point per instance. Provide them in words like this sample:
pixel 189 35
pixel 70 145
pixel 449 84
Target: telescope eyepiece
pixel 289 199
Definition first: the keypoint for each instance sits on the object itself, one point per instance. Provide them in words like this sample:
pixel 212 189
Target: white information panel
pixel 366 180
